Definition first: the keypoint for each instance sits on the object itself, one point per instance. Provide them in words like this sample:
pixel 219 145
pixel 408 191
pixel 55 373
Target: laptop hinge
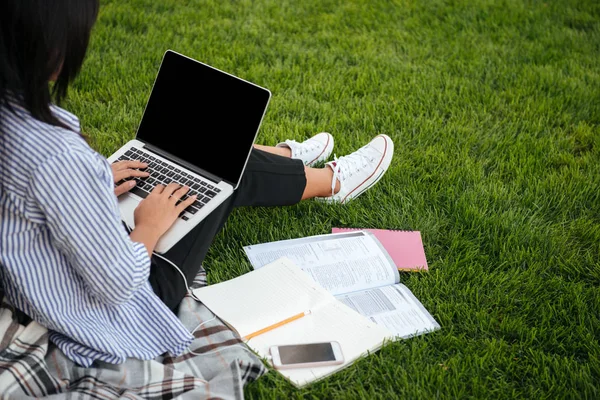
pixel 183 163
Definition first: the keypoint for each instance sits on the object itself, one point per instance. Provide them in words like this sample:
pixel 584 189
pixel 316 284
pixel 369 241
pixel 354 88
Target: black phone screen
pixel 306 353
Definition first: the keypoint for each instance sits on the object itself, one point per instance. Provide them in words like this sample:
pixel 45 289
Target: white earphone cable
pixel 187 287
pixel 191 293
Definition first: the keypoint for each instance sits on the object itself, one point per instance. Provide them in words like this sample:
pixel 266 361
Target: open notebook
pixel 278 291
pixel 355 268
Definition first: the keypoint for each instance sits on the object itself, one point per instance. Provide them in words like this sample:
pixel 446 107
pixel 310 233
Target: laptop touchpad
pixel 127 204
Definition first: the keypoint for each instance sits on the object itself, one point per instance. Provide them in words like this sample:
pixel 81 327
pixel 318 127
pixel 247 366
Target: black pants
pixel 269 180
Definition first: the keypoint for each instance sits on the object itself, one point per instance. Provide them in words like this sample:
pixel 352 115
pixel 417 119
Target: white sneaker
pixel 311 151
pixel 360 170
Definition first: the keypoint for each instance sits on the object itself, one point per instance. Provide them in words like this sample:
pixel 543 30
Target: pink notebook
pixel 405 247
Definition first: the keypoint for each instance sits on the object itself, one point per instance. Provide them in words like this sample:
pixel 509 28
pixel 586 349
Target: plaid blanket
pixel 31 367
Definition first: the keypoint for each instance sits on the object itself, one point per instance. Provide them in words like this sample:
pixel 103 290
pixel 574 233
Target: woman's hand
pixel 157 212
pixel 125 169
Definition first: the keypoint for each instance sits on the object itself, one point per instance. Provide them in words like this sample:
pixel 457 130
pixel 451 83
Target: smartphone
pixel 307 355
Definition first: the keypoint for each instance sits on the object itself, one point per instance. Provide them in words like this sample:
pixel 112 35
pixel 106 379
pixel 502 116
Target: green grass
pixel 494 107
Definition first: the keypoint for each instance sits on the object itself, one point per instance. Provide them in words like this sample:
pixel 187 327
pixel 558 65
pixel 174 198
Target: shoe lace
pixel 302 148
pixel 346 166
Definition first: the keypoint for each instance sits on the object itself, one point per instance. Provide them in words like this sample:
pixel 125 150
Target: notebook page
pixel 332 321
pixel 394 307
pixel 340 263
pixel 263 297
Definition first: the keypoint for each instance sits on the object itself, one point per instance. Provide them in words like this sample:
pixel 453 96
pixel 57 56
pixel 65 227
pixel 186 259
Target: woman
pixel 65 258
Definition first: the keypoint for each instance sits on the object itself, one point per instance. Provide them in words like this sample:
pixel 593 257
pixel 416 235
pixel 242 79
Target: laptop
pixel 197 130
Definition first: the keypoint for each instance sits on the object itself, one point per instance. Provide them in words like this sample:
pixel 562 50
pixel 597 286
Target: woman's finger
pixel 186 203
pixel 124 188
pixel 179 193
pixel 128 164
pixel 128 173
pixel 170 189
pixel 158 189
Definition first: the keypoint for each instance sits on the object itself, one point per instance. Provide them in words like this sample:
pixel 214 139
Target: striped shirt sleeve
pixel 75 192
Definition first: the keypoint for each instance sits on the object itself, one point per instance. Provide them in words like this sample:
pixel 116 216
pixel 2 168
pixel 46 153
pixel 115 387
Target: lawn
pixel 494 108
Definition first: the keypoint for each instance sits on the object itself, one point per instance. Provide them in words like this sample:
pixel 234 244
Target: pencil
pixel 277 325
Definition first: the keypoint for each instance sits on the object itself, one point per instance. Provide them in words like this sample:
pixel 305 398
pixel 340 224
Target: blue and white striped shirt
pixel 65 258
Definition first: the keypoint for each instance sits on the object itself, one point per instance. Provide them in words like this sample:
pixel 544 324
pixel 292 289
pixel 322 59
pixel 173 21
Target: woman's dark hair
pixel 38 38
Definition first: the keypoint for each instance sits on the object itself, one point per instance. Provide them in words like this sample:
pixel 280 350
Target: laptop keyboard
pixel 162 173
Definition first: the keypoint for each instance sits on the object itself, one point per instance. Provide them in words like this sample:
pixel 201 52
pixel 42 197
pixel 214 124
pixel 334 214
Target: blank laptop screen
pixel 203 116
